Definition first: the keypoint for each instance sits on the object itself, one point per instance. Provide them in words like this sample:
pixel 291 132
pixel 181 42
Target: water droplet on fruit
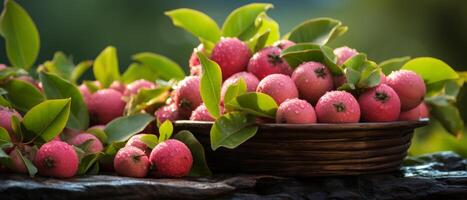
pixel 297 112
pixel 306 81
pixel 302 106
pixel 281 84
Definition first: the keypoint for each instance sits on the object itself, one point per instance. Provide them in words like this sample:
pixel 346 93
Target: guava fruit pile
pixel 241 75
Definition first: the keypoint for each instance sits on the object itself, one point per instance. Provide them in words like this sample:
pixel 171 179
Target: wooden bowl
pixel 313 149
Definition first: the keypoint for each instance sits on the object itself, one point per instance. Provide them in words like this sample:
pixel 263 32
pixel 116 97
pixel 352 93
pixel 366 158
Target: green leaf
pixel 449 116
pixel 48 119
pixel 234 90
pixel 122 128
pixel 242 19
pixel 79 70
pixel 150 140
pixel 99 133
pixel 87 162
pixel 22 95
pixel 272 26
pixel 32 170
pixel 318 31
pixel 255 103
pixel 164 67
pixel 258 41
pixel 58 88
pixel 147 98
pixel 200 166
pixel 431 69
pixel 305 52
pixel 165 131
pixel 138 71
pixel 11 72
pixel 4 137
pixel 60 65
pixel 92 86
pixel 195 22
pixel 210 85
pixel 106 67
pixel 16 128
pixel 393 64
pixel 232 129
pixel 21 35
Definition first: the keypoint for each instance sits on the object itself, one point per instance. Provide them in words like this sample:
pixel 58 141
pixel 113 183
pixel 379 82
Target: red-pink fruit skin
pixel 327 113
pixel 65 160
pixel 344 53
pixel 135 141
pixel 194 60
pixel 119 86
pixel 5 119
pixel 250 80
pixel 125 163
pixel 201 113
pixel 419 112
pixel 409 86
pixel 94 147
pixel 283 44
pixel 373 110
pixel 280 87
pixel 310 84
pixel 262 64
pixel 106 105
pixel 167 112
pixel 187 94
pixel 296 111
pixel 18 164
pixel 134 87
pixel 232 55
pixel 171 158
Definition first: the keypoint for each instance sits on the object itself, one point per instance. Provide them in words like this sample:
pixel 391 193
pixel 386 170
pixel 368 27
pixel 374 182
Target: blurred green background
pixel 383 29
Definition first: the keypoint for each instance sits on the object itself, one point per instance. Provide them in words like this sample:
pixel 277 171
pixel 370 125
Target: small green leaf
pixel 234 90
pixel 258 41
pixel 195 22
pixel 200 166
pixel 318 31
pixel 48 119
pixel 86 145
pixel 255 103
pixel 165 131
pixel 150 140
pixel 79 70
pixel 431 69
pixel 4 137
pixel 305 52
pixel 232 129
pixel 99 133
pixel 164 67
pixel 122 128
pixel 58 88
pixel 16 127
pixel 32 170
pixel 450 118
pixel 272 26
pixel 21 35
pixel 210 85
pixel 11 72
pixel 106 67
pixel 138 71
pixel 241 19
pixel 22 95
pixel 87 162
pixel 92 86
pixel 145 99
pixel 61 65
pixel 393 64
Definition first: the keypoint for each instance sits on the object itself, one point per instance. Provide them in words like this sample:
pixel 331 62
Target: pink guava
pixel 187 94
pixel 106 105
pixel 232 55
pixel 132 162
pixel 337 107
pixel 57 159
pixel 135 141
pixel 250 80
pixel 379 104
pixel 94 146
pixel 313 80
pixel 409 86
pixel 344 53
pixel 268 61
pixel 201 114
pixel 280 87
pixel 171 158
pixel 295 111
pixel 5 118
pixel 168 112
pixel 134 87
pixel 283 44
pixel 119 86
pixel 419 112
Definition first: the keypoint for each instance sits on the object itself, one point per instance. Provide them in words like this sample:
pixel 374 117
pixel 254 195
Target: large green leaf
pixel 210 85
pixel 58 88
pixel 449 116
pixel 199 167
pixel 232 129
pixel 272 26
pixel 48 119
pixel 106 67
pixel 164 67
pixel 243 19
pixel 79 70
pixel 254 103
pixel 195 22
pixel 393 64
pixel 60 65
pixel 304 52
pixel 138 71
pixel 122 128
pixel 318 31
pixel 431 69
pixel 22 95
pixel 21 36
